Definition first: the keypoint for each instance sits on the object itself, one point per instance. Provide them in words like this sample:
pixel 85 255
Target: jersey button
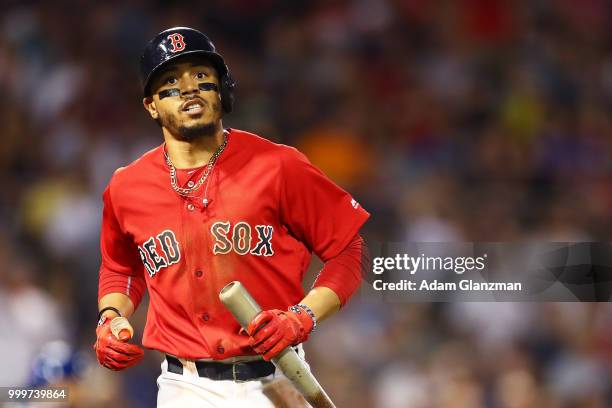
pixel 190 183
pixel 198 273
pixel 206 317
pixel 221 350
pixel 190 207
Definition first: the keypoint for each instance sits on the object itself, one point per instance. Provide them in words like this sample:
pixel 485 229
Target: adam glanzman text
pixel 414 264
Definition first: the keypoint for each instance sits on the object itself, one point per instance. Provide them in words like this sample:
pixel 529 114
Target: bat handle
pixel 244 308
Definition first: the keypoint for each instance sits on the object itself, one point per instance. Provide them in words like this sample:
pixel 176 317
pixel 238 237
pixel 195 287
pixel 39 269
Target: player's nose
pixel 189 85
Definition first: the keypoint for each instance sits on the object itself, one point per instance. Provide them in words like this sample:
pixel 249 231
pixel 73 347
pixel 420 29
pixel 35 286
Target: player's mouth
pixel 193 107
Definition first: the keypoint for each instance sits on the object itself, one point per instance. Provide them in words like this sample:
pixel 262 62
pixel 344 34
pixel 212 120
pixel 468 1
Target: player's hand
pixel 114 353
pixel 273 330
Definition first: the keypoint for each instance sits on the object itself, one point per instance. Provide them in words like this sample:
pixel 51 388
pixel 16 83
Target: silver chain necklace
pixel 211 163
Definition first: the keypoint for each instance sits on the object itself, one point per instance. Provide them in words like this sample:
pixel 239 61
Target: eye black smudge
pixel 208 86
pixel 169 92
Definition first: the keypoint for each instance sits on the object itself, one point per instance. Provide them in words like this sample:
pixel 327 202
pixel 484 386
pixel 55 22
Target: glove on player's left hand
pixel 273 330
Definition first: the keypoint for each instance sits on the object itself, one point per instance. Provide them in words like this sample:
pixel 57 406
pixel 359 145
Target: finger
pixel 132 352
pixel 265 332
pixel 135 360
pixel 261 337
pixel 119 357
pixel 125 348
pixel 101 357
pixel 269 343
pixel 276 350
pixel 113 364
pixel 257 321
pixel 116 366
pixel 110 364
pixel 260 320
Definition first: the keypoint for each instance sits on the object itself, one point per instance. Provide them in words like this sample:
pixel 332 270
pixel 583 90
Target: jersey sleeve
pixel 314 209
pixel 343 273
pixel 121 270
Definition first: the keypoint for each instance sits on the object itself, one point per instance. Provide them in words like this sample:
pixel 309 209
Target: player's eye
pixel 170 81
pixel 201 75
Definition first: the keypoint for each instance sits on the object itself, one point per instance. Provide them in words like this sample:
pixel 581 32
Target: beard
pixel 189 133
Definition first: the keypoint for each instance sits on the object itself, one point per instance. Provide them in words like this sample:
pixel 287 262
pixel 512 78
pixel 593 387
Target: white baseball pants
pixel 190 390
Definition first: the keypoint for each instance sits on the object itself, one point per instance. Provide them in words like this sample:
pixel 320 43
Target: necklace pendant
pixel 205 202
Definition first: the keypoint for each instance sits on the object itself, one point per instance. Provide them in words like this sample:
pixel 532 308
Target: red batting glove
pixel 113 353
pixel 273 330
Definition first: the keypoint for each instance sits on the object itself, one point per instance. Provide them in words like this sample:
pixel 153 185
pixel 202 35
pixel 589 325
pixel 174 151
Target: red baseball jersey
pixel 267 209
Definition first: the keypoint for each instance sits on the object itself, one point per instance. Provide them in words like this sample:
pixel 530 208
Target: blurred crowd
pixel 475 120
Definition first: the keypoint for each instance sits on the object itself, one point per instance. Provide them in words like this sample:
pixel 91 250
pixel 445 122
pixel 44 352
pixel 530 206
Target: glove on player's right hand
pixel 273 330
pixel 113 353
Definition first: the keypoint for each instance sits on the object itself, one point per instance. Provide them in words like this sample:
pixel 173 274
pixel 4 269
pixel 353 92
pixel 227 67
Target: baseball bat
pixel 244 308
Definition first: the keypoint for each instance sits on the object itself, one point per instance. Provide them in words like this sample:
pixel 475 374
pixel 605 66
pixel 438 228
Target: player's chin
pixel 197 123
pixel 195 130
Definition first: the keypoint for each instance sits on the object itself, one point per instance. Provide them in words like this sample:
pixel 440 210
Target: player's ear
pixel 149 105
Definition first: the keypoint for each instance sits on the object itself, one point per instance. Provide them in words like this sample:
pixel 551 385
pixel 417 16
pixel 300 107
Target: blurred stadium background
pixel 476 120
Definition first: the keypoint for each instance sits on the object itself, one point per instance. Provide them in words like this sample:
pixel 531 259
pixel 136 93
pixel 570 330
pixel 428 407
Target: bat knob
pixel 121 328
pixel 124 335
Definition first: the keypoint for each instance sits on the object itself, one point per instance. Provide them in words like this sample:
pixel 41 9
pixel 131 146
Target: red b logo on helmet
pixel 177 42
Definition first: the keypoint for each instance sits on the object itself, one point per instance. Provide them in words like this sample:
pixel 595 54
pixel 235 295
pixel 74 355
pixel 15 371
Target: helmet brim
pixel 215 59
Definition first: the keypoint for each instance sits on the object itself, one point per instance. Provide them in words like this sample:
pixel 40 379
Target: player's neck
pixel 196 153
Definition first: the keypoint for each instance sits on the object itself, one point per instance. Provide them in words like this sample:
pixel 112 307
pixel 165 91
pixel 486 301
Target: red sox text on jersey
pixel 268 209
pixel 163 250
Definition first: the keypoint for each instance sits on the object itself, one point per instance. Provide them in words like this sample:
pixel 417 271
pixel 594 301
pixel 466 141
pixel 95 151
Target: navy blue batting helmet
pixel 180 42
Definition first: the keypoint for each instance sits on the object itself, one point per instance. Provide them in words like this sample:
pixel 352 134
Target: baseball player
pixel 209 206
